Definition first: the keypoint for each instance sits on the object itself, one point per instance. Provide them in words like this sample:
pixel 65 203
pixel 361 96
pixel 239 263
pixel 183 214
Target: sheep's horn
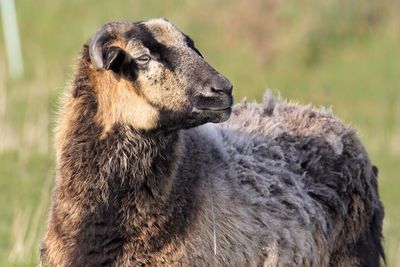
pixel 110 30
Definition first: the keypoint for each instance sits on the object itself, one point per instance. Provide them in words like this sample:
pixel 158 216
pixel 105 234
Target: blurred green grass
pixel 343 54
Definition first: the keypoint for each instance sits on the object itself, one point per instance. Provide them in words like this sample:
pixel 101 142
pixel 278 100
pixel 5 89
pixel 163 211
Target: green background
pixel 335 53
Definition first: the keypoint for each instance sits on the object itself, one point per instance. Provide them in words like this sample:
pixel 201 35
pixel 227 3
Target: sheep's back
pixel 306 176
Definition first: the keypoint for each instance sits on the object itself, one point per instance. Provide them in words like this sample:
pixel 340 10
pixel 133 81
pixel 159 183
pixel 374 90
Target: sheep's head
pixel 151 76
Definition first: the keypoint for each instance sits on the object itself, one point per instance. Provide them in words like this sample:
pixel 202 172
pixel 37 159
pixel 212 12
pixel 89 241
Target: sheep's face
pixel 152 77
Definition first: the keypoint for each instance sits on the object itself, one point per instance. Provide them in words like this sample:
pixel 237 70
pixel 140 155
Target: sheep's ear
pixel 117 60
pixel 114 58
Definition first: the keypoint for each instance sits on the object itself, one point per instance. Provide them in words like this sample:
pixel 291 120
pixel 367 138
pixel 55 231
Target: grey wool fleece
pixel 291 186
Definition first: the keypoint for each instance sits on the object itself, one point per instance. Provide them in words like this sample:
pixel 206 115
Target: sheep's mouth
pixel 213 104
pixel 213 114
pixel 198 109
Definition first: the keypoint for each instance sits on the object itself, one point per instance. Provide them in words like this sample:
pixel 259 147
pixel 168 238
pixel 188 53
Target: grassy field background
pixel 337 53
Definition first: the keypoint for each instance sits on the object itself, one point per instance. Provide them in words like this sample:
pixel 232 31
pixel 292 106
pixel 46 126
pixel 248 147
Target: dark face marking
pixel 160 51
pixel 190 43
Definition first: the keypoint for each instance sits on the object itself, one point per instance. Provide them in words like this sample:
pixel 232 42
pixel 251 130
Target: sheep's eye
pixel 144 59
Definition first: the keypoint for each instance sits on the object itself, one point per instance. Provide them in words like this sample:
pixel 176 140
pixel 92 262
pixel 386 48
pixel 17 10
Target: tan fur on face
pixel 163 88
pixel 120 102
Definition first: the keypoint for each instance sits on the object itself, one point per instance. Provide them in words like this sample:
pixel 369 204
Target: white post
pixel 11 37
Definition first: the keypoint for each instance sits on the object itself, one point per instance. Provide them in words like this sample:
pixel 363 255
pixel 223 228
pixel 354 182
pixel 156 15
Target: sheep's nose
pixel 220 84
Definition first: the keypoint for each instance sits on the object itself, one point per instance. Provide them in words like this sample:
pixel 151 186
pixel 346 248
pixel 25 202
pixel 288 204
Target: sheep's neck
pixel 121 186
pixel 143 165
pixel 123 164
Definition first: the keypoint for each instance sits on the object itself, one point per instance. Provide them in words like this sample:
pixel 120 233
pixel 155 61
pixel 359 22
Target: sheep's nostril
pixel 220 84
pixel 225 90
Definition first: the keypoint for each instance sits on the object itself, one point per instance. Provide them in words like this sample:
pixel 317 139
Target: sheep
pixel 156 167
